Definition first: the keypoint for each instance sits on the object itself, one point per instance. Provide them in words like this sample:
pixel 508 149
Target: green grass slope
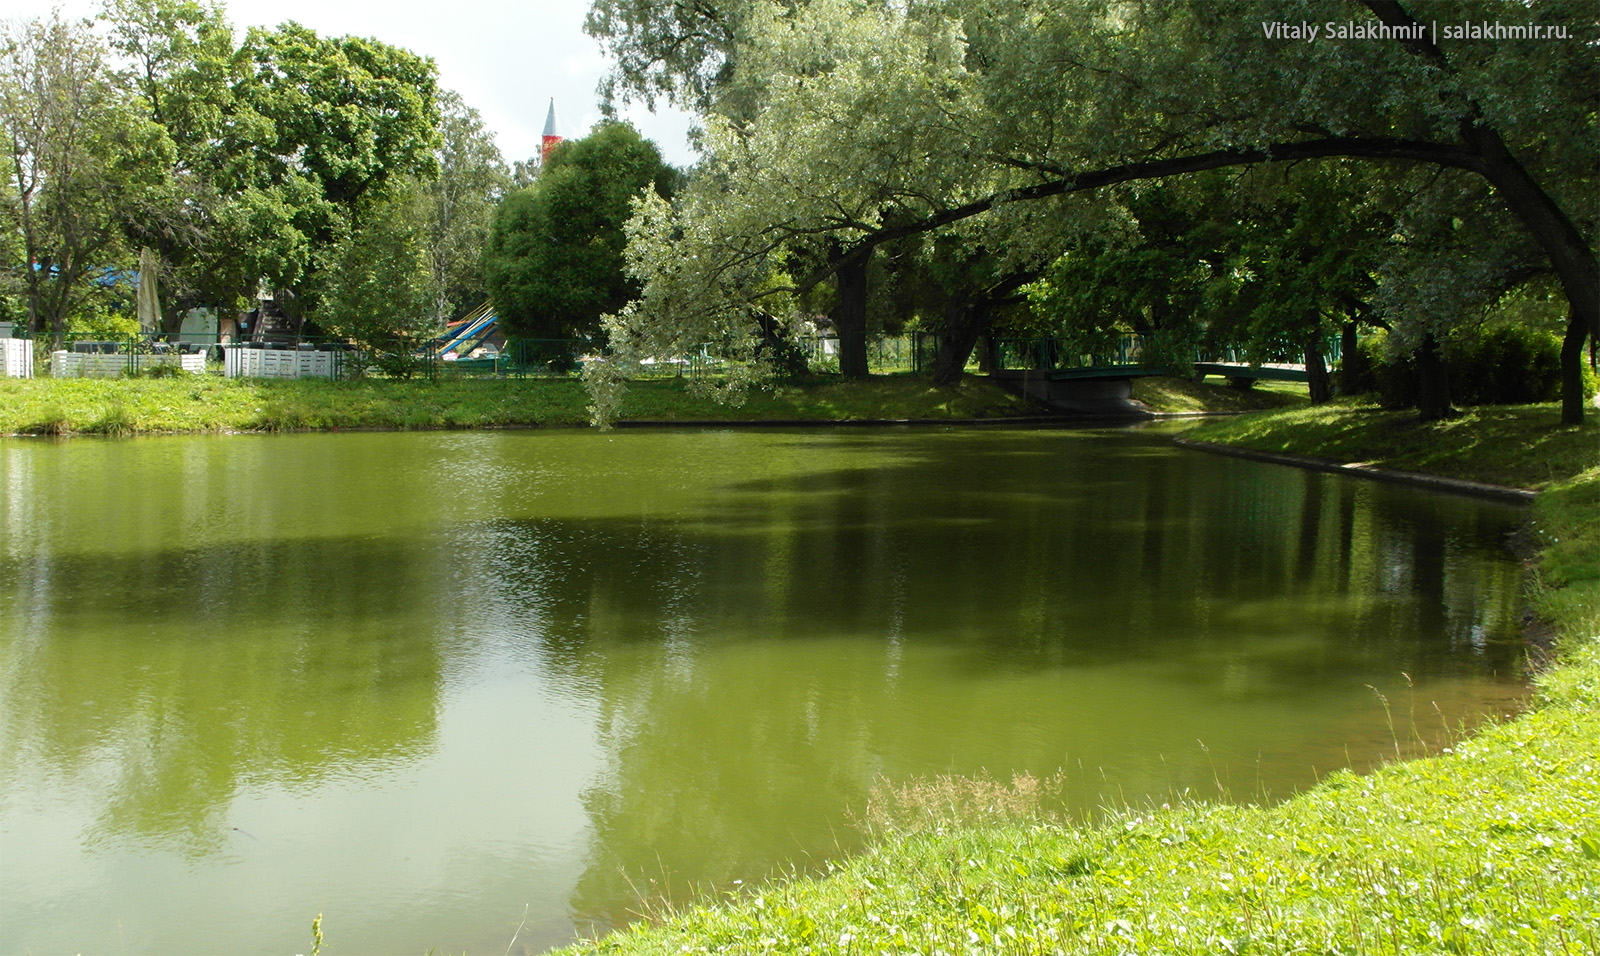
pixel 1523 446
pixel 213 404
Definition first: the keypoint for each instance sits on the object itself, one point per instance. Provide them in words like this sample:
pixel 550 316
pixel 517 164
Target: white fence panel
pixel 274 363
pixel 16 358
pixel 96 365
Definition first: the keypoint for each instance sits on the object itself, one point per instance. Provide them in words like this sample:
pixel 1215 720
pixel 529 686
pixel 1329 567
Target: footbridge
pixel 1101 381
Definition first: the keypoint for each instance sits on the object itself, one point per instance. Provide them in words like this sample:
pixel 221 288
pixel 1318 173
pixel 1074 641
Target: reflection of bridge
pixel 1101 380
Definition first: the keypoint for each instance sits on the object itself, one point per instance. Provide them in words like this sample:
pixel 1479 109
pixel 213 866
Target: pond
pixel 450 688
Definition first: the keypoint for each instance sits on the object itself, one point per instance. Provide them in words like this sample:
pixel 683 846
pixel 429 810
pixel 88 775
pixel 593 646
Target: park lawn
pixel 1171 395
pixel 209 403
pixel 1523 446
pixel 1491 846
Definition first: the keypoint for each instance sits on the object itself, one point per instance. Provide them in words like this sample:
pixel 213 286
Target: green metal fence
pixel 886 354
pixel 1133 349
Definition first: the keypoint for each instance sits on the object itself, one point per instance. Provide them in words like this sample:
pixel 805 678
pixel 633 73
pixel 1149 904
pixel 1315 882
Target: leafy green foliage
pixel 278 146
pixel 1494 365
pixel 80 160
pixel 553 262
pixel 346 113
pixel 835 129
pixel 458 207
pixel 376 286
pixel 678 50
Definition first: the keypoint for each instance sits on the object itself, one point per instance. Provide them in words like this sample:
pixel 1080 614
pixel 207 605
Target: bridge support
pixel 1079 396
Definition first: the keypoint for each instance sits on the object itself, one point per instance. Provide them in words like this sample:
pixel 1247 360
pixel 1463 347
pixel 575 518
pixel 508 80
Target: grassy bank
pixel 1491 847
pixel 213 404
pixel 1523 446
pixel 1177 396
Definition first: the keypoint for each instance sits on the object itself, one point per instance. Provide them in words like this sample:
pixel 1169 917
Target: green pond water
pixel 446 688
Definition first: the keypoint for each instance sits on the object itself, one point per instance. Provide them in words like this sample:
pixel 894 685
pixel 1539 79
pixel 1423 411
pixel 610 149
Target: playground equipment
pixel 461 338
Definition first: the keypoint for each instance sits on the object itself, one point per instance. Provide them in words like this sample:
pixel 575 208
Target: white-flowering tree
pixel 862 139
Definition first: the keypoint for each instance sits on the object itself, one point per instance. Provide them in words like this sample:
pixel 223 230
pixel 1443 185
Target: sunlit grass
pixel 213 404
pixel 1523 446
pixel 1181 395
pixel 210 403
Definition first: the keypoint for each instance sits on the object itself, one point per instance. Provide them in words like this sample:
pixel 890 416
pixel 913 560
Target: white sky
pixel 506 58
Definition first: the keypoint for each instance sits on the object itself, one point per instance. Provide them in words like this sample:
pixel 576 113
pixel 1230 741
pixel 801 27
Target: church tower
pixel 551 137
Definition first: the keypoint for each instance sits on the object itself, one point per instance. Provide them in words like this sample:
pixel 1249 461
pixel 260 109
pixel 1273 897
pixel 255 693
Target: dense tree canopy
pixel 79 159
pixel 239 163
pixel 553 263
pixel 1023 103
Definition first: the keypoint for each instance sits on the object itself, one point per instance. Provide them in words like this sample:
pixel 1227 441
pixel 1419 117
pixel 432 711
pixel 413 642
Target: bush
pixel 1170 351
pixel 1499 365
pixel 1392 376
pixel 161 371
pixel 400 363
pixel 94 320
pixel 1506 365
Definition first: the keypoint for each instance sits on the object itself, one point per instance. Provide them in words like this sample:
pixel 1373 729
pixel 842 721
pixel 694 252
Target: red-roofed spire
pixel 551 137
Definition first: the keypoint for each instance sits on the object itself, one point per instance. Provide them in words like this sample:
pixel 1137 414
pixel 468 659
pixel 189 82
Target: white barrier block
pixel 274 363
pixel 16 358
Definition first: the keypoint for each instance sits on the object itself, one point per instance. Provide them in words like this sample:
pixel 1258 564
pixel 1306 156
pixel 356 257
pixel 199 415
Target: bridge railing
pixel 1130 350
pixel 1049 353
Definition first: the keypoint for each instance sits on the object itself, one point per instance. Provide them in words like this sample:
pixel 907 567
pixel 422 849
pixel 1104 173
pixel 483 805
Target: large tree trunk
pixel 1433 382
pixel 1574 262
pixel 1352 364
pixel 986 357
pixel 850 315
pixel 1572 368
pixel 1317 380
pixel 963 323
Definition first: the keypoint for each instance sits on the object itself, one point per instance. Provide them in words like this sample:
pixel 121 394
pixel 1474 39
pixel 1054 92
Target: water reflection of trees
pixel 164 681
pixel 764 641
pixel 941 602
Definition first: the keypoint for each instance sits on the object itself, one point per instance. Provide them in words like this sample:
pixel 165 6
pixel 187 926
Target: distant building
pixel 551 137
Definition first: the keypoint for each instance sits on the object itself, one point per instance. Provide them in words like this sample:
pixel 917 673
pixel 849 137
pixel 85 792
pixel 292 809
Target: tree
pixel 1073 98
pixel 680 51
pixel 891 93
pixel 553 263
pixel 280 142
pixel 346 113
pixel 1270 260
pixel 1152 269
pixel 377 286
pixel 79 159
pixel 458 207
pixel 214 232
pixel 409 260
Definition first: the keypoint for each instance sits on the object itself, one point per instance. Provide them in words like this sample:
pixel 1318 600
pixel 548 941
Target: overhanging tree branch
pixel 1442 154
